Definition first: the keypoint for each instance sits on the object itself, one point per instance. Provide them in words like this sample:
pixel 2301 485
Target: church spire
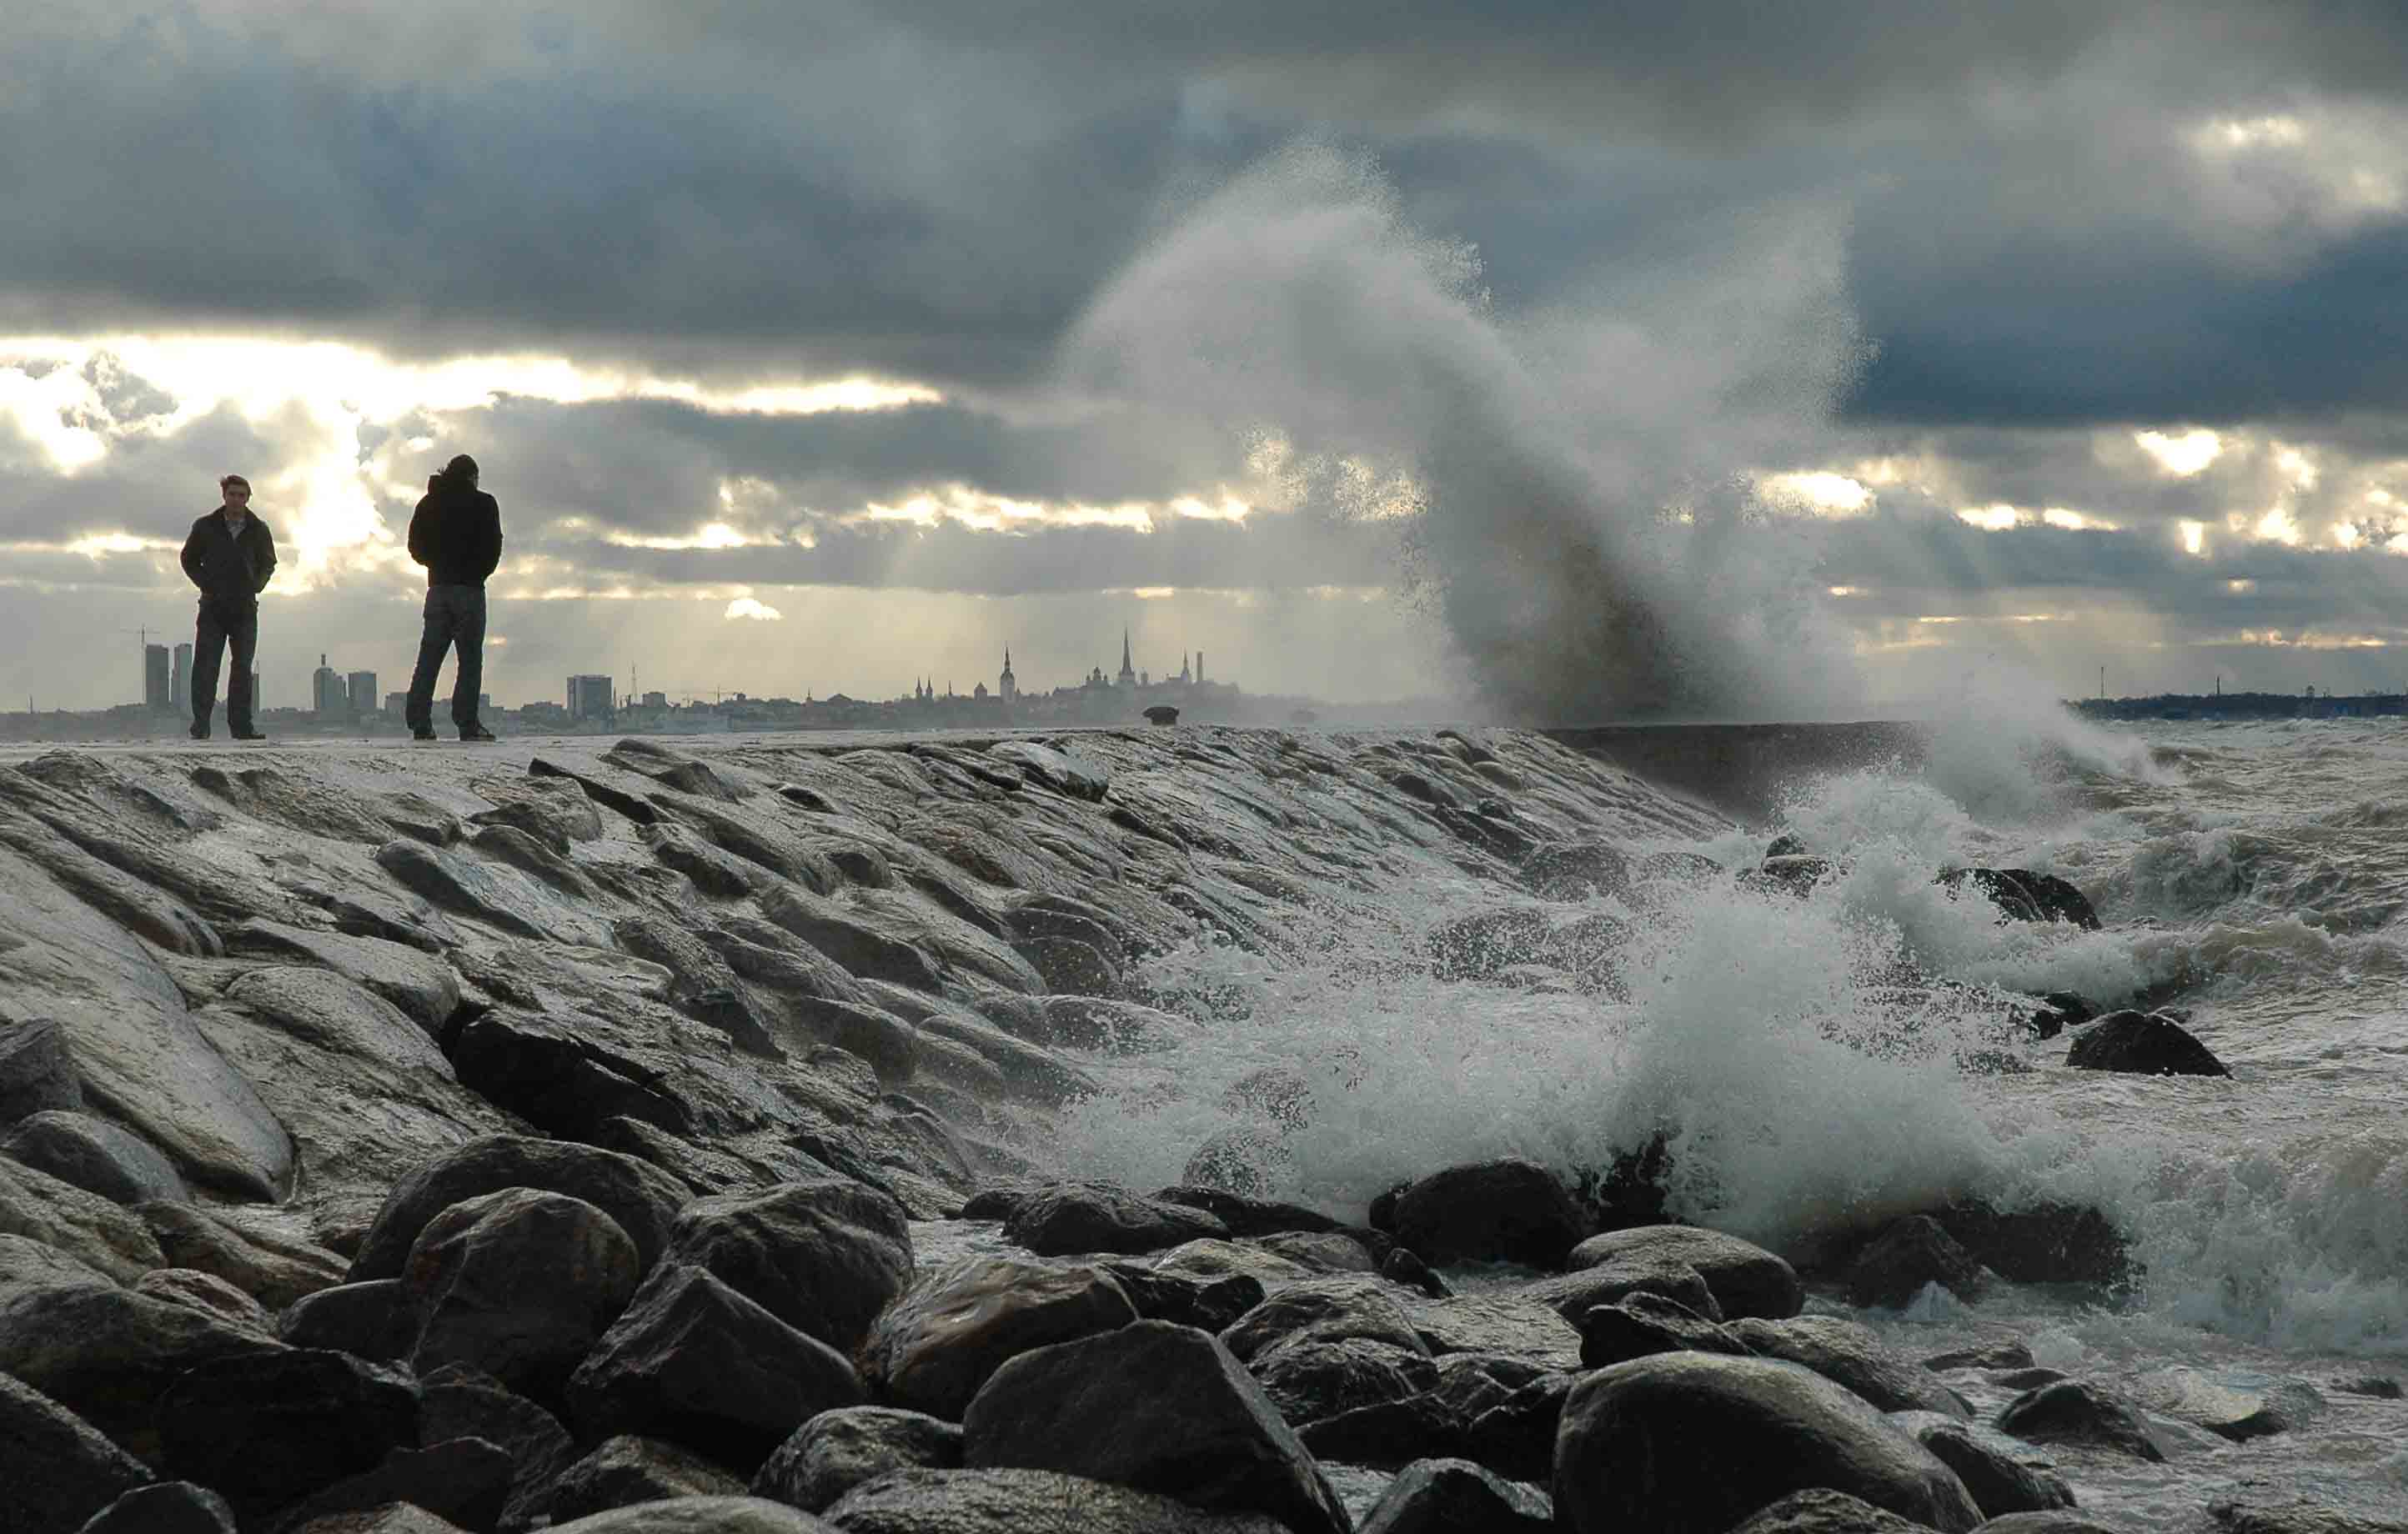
pixel 1129 670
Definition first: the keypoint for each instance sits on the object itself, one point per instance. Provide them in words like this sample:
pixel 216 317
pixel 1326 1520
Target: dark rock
pixel 2044 1523
pixel 628 1470
pixel 2009 1354
pixel 208 1294
pixel 1328 1310
pixel 847 1447
pixel 1573 1295
pixel 1208 1304
pixel 2078 1412
pixel 1245 1160
pixel 2251 1407
pixel 1325 1251
pixel 825 1256
pixel 1248 1216
pixel 272 1427
pixel 57 1468
pixel 673 768
pixel 1064 771
pixel 1079 1217
pixel 2026 1378
pixel 858 947
pixel 393 1518
pixel 1308 1379
pixel 934 1349
pixel 372 1320
pixel 1745 1280
pixel 1114 1027
pixel 1031 1073
pixel 1404 1266
pixel 1160 1408
pixel 703 984
pixel 519 1284
pixel 713 871
pixel 502 897
pixel 94 1156
pixel 37 1073
pixel 2301 1518
pixel 108 1354
pixel 560 1078
pixel 1644 1324
pixel 1072 967
pixel 1999 1483
pixel 1386 1433
pixel 1516 1437
pixel 1693 1442
pixel 163 1507
pixel 463 1482
pixel 1021 1501
pixel 2142 1044
pixel 1849 1354
pixel 1486 944
pixel 2044 1243
pixel 1788 874
pixel 641 1197
pixel 425 989
pixel 1457 1497
pixel 456 1403
pixel 697 1363
pixel 2380 1387
pixel 1492 1211
pixel 29 1264
pixel 1895 1265
pixel 1820 1510
pixel 699 1515
pixel 274 1270
pixel 1576 870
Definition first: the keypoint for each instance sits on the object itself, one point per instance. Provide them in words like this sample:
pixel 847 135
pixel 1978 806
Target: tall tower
pixel 1008 687
pixel 1128 672
pixel 180 680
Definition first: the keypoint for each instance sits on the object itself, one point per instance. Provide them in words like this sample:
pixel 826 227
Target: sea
pixel 2251 877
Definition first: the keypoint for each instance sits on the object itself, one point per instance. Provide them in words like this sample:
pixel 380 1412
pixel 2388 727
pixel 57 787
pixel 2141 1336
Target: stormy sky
pixel 1573 360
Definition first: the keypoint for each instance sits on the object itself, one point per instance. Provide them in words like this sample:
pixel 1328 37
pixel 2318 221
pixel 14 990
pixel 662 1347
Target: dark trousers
pixel 456 615
pixel 222 624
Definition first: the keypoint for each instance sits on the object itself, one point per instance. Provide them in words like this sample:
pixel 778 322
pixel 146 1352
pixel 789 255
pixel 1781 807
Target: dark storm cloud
pixel 149 485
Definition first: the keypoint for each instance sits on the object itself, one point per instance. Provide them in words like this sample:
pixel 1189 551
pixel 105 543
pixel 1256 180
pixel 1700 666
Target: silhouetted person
pixel 229 556
pixel 456 533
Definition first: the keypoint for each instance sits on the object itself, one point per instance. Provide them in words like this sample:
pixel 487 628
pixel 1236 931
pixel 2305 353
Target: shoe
pixel 421 735
pixel 248 734
pixel 198 732
pixel 477 732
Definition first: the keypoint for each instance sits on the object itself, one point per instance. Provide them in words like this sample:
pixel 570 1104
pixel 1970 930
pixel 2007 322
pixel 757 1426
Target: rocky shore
pixel 584 1135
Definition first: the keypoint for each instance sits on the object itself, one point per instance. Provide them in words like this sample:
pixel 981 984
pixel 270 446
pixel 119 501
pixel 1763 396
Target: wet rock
pixel 628 1470
pixel 1309 1379
pixel 1819 1511
pixel 673 768
pixel 36 1206
pixel 1576 870
pixel 29 1264
pixel 456 1403
pixel 850 1446
pixel 2078 1412
pixel 1642 1325
pixel 1895 1265
pixel 1998 1480
pixel 1573 1295
pixel 373 1320
pixel 1209 1304
pixel 57 1468
pixel 1160 1408
pixel 1328 1310
pixel 461 1482
pixel 1325 1252
pixel 1405 1267
pixel 825 1256
pixel 1114 1027
pixel 2025 896
pixel 643 1200
pixel 274 1270
pixel 692 1361
pixel 713 871
pixel 1457 1497
pixel 209 1295
pixel 1516 1437
pixel 860 947
pixel 2004 1355
pixel 94 1156
pixel 2240 1408
pixel 1006 1501
pixel 699 1515
pixel 1504 1210
pixel 2144 1044
pixel 1495 1323
pixel 271 1428
pixel 395 1518
pixel 425 989
pixel 1248 1216
pixel 1849 1354
pixel 2021 1380
pixel 1079 1217
pixel 2041 1243
pixel 37 1073
pixel 162 1507
pixel 2301 1518
pixel 1246 1160
pixel 110 1355
pixel 1028 1072
pixel 1692 1442
pixel 1483 946
pixel 704 985
pixel 500 896
pixel 553 811
pixel 1064 771
pixel 519 1284
pixel 958 1325
pixel 1745 1280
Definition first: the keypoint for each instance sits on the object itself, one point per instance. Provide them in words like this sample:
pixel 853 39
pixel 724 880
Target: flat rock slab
pixel 1016 1501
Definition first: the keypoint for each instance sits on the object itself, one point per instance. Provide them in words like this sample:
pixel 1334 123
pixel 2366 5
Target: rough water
pixel 2249 876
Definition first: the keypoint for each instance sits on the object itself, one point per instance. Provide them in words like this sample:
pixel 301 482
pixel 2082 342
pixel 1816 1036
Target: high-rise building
pixel 396 705
pixel 158 689
pixel 589 697
pixel 180 681
pixel 362 687
pixel 327 696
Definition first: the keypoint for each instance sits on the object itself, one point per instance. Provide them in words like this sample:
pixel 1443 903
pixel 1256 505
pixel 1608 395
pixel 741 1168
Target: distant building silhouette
pixel 158 685
pixel 362 690
pixel 1128 673
pixel 1007 686
pixel 590 697
pixel 328 698
pixel 180 681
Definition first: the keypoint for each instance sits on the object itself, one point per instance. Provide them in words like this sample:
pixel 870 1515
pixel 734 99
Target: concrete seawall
pixel 1742 769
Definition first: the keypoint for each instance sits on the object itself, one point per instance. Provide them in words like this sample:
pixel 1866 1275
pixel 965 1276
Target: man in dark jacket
pixel 229 556
pixel 456 533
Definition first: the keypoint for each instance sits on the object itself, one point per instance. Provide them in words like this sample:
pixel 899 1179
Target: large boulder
pixel 2041 1243
pixel 2142 1044
pixel 272 1267
pixel 461 1482
pixel 272 1427
pixel 424 987
pixel 456 1403
pixel 1311 1381
pixel 1013 1502
pixel 519 1284
pixel 697 1363
pixel 627 1470
pixel 373 1320
pixel 1160 1408
pixel 1896 1265
pixel 1079 1217
pixel 846 1447
pixel 94 1156
pixel 2078 1412
pixel 34 1206
pixel 37 1071
pixel 1326 1310
pixel 825 1256
pixel 1642 1325
pixel 1849 1353
pixel 700 1515
pixel 642 1198
pixel 1692 1443
pixel 934 1349
pixel 1822 1511
pixel 1504 1210
pixel 29 1264
pixel 1457 1496
pixel 110 1355
pixel 1745 1278
pixel 163 1507
pixel 1999 1481
pixel 57 1466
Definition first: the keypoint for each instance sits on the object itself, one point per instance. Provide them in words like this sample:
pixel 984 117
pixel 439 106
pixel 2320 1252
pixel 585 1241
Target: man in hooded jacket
pixel 456 533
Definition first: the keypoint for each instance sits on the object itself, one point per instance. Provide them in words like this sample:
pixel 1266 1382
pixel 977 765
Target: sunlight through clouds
pixel 745 606
pixel 2181 456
